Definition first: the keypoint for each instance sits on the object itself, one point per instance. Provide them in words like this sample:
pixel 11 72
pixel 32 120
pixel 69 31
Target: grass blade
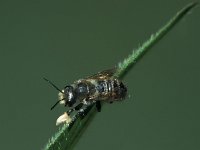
pixel 69 134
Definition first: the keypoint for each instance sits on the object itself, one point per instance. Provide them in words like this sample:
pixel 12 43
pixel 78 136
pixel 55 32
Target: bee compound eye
pixel 71 101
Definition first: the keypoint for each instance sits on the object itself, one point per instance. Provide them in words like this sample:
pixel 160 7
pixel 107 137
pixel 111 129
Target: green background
pixel 67 40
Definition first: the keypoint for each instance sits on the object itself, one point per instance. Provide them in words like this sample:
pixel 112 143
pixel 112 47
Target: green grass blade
pixel 124 66
pixel 69 134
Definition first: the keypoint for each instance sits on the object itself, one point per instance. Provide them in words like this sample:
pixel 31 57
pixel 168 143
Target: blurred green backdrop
pixel 68 40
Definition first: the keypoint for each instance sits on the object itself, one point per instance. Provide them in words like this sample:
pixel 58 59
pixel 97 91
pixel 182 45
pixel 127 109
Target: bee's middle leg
pixel 76 108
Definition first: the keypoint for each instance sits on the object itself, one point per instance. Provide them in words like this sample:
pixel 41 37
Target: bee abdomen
pixel 119 90
pixel 111 90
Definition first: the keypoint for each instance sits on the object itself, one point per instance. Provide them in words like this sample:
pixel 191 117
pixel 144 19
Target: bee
pixel 97 88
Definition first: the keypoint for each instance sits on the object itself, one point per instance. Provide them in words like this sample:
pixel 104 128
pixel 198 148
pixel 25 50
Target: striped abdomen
pixel 110 90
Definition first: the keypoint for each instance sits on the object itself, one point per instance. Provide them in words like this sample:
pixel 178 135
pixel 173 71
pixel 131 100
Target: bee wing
pixel 103 74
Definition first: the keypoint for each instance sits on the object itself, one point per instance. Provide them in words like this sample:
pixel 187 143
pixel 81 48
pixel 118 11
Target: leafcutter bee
pixel 102 86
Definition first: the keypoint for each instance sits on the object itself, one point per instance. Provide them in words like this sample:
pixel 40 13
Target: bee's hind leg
pixel 98 106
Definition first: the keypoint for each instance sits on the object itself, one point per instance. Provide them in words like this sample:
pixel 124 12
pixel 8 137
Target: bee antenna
pixel 52 84
pixel 55 104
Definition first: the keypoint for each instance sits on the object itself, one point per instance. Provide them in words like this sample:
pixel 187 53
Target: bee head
pixel 67 96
